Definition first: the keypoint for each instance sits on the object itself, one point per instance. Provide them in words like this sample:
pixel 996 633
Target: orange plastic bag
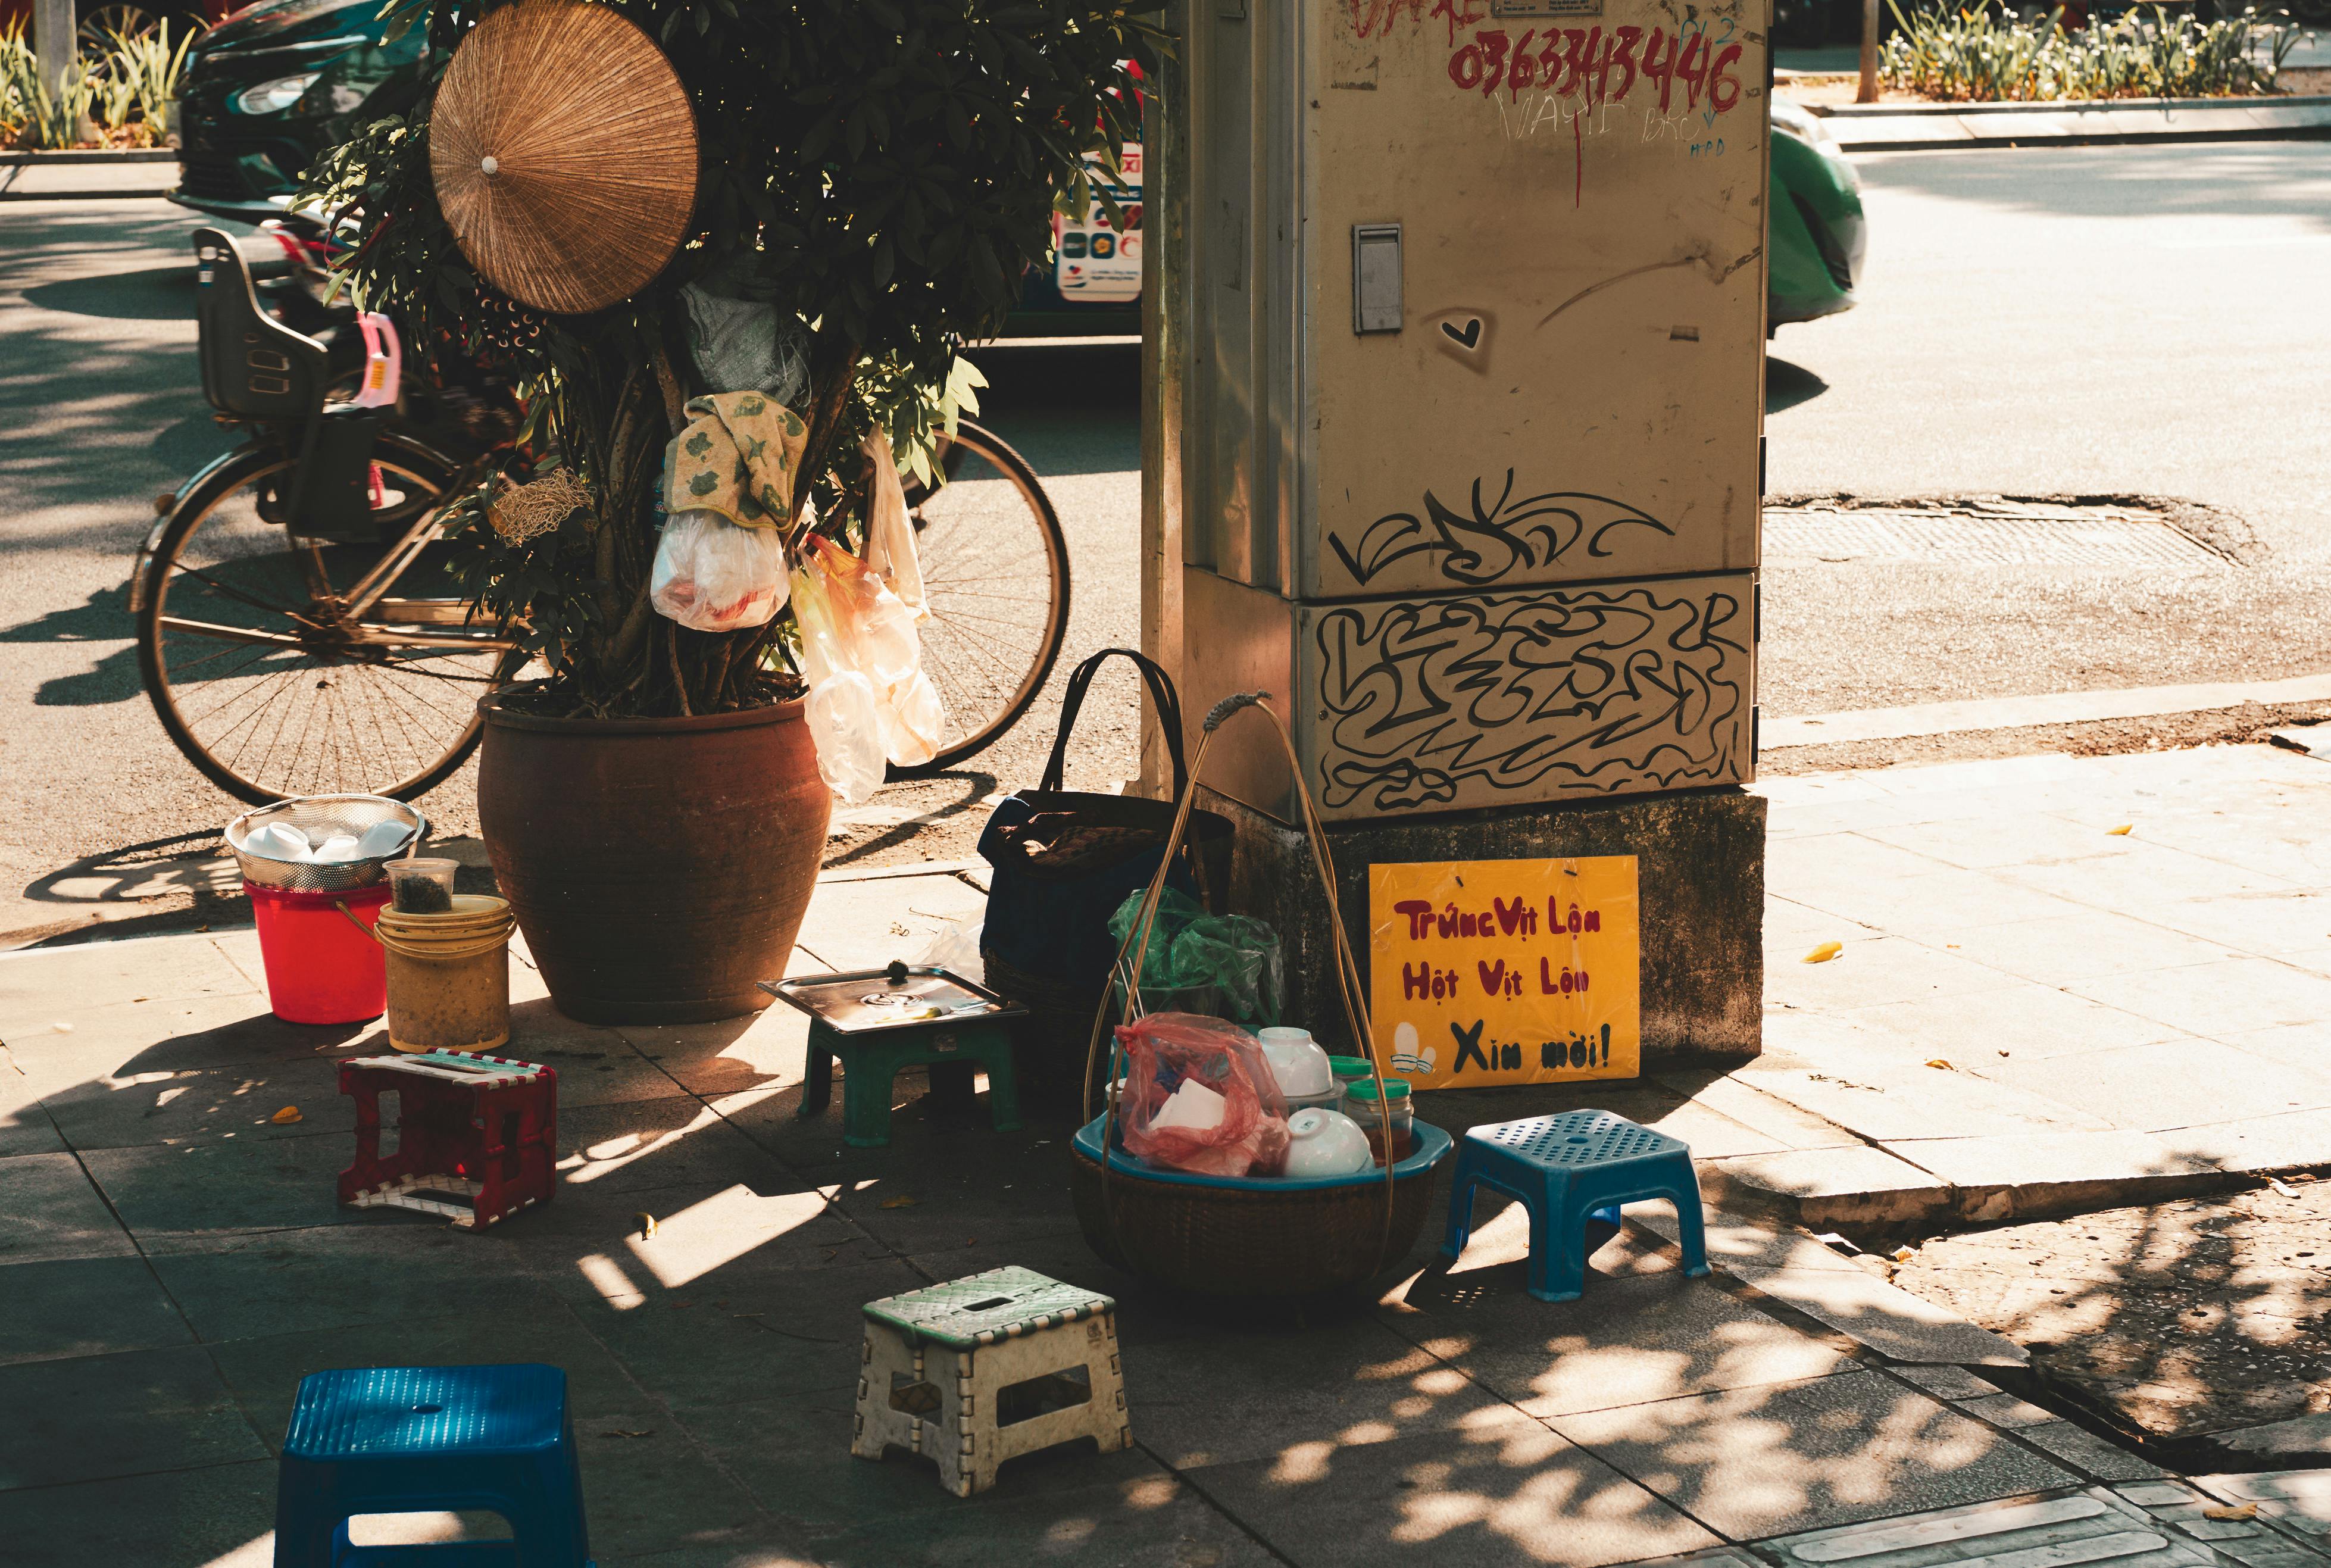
pixel 1199 1097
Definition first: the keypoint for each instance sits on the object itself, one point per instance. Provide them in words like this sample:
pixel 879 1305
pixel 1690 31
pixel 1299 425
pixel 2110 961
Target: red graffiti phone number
pixel 1581 59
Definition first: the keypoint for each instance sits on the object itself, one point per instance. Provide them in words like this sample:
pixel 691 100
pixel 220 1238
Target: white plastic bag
pixel 956 949
pixel 851 622
pixel 846 728
pixel 890 532
pixel 712 575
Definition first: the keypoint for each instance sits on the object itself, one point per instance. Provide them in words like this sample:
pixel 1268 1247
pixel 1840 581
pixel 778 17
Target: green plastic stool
pixel 974 1032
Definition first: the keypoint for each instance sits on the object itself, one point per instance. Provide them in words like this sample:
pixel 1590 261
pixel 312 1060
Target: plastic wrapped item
pixel 1199 1098
pixel 889 532
pixel 851 622
pixel 1228 965
pixel 711 576
pixel 741 345
pixel 956 949
pixel 846 729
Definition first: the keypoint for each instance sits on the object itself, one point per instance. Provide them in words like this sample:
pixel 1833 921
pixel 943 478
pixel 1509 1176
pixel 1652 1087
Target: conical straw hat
pixel 565 156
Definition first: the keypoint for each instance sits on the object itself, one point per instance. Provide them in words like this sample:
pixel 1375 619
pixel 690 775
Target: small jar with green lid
pixel 1390 1121
pixel 1348 1068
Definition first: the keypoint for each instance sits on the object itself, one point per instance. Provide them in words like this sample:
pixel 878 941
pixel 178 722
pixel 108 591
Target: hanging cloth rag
pixel 738 458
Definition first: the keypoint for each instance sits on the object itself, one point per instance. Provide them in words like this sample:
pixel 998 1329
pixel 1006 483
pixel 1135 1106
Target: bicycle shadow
pixel 103 617
pixel 138 873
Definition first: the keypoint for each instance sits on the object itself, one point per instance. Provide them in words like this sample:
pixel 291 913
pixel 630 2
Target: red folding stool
pixel 475 1137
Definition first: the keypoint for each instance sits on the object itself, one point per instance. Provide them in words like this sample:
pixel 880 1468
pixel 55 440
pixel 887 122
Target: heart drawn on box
pixel 1470 338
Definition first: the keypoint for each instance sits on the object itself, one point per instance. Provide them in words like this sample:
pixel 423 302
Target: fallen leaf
pixel 647 1226
pixel 901 1201
pixel 286 1116
pixel 1938 1061
pixel 2121 831
pixel 2003 1051
pixel 2283 1187
pixel 2231 1511
pixel 1825 951
pixel 1903 1254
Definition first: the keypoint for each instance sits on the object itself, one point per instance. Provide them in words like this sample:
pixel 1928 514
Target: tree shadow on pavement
pixel 146 294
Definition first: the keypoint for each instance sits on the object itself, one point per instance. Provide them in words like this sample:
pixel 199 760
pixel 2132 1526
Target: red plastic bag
pixel 1199 1097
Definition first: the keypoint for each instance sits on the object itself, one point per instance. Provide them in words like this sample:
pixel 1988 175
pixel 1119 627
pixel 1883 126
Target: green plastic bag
pixel 1221 966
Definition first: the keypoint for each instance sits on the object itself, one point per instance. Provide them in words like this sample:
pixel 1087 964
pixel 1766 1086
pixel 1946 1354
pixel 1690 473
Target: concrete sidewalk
pixel 172 1262
pixel 2032 1013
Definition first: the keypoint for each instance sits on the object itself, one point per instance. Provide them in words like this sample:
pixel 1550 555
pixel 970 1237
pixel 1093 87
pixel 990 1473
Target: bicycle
pixel 298 627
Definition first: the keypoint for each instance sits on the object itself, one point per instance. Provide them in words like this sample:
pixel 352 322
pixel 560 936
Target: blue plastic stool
pixel 1573 1172
pixel 403 1439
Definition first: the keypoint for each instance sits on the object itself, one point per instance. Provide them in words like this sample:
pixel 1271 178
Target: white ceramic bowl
pixel 1297 1062
pixel 1325 1144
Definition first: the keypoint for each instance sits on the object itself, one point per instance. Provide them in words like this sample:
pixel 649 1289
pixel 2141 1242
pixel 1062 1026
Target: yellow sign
pixel 1489 971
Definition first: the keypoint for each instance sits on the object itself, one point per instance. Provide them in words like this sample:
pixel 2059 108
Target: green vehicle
pixel 1815 226
pixel 275 82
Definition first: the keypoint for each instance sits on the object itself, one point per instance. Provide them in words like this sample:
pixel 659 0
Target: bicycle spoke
pixel 233 592
pixel 262 703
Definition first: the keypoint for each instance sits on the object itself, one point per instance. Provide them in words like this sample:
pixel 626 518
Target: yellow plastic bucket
pixel 448 978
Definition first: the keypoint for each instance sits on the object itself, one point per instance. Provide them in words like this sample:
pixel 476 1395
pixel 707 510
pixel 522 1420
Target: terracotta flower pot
pixel 659 866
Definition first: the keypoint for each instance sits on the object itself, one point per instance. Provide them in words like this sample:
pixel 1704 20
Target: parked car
pixel 266 90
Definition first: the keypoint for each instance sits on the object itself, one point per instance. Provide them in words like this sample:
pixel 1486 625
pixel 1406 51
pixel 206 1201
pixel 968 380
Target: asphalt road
pixel 2110 320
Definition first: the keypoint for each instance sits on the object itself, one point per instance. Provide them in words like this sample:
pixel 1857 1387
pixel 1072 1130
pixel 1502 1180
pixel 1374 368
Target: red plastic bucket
pixel 319 968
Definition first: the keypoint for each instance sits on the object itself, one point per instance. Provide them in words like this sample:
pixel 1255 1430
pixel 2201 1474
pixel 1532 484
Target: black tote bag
pixel 1064 860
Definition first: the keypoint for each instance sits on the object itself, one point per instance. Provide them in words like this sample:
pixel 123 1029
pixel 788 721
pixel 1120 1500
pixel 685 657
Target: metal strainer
pixel 321 816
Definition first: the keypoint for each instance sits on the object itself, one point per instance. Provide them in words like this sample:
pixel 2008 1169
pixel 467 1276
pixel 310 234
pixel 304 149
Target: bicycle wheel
pixel 996 577
pixel 262 676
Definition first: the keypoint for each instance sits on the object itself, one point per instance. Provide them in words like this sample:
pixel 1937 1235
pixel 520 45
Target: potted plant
pixel 877 172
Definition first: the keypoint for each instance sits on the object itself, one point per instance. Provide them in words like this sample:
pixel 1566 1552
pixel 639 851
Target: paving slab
pixel 93 1417
pixel 2169 957
pixel 1148 1523
pixel 1892 1322
pixel 1500 1490
pixel 2023 1022
pixel 2033 1174
pixel 2309 1434
pixel 1821 1188
pixel 49 1210
pixel 219 1516
pixel 2089 1526
pixel 1624 1342
pixel 24 1125
pixel 2081 1449
pixel 2299 1500
pixel 1912 1102
pixel 2186 1514
pixel 1765 1461
pixel 65 1307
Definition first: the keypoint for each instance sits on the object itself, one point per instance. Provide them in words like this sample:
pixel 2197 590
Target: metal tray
pixel 900 996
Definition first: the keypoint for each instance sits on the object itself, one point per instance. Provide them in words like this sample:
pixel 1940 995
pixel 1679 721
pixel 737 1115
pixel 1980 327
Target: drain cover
pixel 1987 531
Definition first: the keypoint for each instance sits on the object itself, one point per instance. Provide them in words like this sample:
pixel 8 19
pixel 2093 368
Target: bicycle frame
pixel 368 592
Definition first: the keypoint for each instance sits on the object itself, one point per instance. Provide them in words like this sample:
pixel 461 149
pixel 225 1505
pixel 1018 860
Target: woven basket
pixel 1259 1240
pixel 1237 1241
pixel 1049 1055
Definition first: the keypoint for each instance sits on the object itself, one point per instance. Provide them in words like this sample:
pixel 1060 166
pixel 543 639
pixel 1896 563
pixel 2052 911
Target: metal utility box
pixel 1472 397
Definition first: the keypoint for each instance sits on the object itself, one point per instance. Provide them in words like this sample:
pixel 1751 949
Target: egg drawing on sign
pixel 1405 1057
